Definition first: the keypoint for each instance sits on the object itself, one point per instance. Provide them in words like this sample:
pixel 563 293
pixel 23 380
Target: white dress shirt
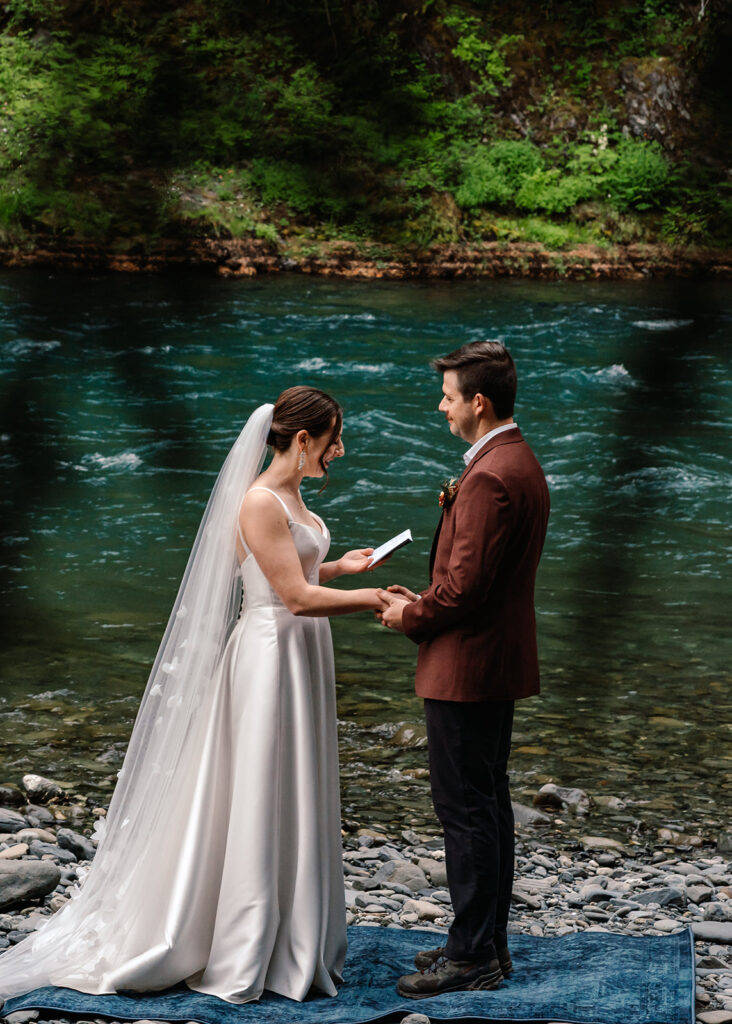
pixel 472 452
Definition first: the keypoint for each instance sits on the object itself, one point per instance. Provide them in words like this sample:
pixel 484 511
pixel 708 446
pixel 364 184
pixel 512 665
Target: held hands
pixel 394 598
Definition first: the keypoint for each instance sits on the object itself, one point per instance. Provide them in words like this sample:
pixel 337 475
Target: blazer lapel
pixel 506 437
pixel 433 549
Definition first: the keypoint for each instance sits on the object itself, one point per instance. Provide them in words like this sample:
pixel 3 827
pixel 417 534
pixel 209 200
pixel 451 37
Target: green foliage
pixel 493 174
pixel 373 121
pixel 485 58
pixel 553 191
pixel 639 176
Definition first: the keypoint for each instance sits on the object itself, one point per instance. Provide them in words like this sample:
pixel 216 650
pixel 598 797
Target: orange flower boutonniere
pixel 448 492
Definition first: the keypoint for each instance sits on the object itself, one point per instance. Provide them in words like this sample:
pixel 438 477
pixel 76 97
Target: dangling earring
pixel 301 460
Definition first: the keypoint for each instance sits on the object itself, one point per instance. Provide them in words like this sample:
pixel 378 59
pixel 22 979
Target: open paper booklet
pixel 390 547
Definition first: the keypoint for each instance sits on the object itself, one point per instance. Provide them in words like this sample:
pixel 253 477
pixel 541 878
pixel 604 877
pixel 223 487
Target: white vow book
pixel 390 546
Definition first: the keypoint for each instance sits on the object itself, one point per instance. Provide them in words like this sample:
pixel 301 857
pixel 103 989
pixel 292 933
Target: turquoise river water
pixel 121 396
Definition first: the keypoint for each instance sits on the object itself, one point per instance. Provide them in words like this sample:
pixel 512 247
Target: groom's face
pixel 458 412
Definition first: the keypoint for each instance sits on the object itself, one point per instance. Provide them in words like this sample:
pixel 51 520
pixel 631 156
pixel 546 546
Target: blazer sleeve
pixel 483 519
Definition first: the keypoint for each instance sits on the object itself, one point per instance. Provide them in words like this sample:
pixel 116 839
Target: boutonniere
pixel 448 492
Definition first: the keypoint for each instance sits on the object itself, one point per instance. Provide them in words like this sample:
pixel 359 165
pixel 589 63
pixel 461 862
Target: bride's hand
pixel 395 588
pixel 354 561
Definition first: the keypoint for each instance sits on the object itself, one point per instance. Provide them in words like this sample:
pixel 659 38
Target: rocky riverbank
pixel 370 261
pixel 399 881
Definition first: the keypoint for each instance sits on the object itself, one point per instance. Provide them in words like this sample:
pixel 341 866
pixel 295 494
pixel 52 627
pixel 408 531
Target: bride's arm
pixel 268 537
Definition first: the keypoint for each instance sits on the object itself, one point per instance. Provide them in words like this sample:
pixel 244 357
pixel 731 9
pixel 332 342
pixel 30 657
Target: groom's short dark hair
pixel 483 368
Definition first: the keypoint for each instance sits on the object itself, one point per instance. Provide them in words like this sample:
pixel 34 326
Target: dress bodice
pixel 312 546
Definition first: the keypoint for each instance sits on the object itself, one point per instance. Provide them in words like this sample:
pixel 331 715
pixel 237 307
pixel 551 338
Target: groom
pixel 476 630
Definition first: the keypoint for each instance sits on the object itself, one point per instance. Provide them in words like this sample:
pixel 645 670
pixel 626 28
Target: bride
pixel 220 863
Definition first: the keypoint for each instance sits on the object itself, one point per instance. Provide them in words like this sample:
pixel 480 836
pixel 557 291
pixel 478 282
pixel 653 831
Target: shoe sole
pixel 486 982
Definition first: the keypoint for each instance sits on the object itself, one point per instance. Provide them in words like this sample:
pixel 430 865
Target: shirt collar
pixel 472 452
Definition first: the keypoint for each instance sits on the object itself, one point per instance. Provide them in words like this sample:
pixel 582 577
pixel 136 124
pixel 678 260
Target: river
pixel 122 394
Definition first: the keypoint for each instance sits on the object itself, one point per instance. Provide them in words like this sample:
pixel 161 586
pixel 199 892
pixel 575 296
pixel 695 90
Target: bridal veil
pixel 144 835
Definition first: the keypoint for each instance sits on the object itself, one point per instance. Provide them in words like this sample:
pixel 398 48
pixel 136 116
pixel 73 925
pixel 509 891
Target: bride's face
pixel 321 451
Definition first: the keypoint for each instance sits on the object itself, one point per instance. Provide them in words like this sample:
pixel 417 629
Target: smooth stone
pixel 424 910
pixel 576 801
pixel 671 837
pixel 609 803
pixel 523 815
pixel 663 897
pixel 369 833
pixel 699 893
pixel 415 1018
pixel 717 912
pixel 397 872
pixel 667 924
pixel 713 931
pixel 11 821
pixel 27 835
pixel 593 894
pixel 39 788
pixel 11 796
pixel 23 880
pixel 410 736
pixel 14 852
pixel 714 1016
pixel 600 843
pixel 79 845
pixel 22 1016
pixel 48 849
pixel 724 842
pixel 40 815
pixel 435 870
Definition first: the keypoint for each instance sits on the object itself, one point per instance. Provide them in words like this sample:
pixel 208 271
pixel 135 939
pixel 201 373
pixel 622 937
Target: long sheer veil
pixel 143 825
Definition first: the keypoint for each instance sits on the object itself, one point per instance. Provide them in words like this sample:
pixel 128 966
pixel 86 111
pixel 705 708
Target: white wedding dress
pixel 242 888
pixel 278 920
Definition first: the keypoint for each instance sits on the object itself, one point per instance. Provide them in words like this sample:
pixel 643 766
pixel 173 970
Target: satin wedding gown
pixel 242 888
pixel 279 921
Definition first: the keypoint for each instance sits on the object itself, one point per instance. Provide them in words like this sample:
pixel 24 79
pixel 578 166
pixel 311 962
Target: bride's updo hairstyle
pixel 304 408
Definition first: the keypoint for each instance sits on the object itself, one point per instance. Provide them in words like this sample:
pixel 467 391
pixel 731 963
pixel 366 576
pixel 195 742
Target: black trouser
pixel 469 743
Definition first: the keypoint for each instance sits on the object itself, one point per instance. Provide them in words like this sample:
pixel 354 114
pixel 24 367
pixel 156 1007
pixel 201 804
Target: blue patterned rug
pixel 587 978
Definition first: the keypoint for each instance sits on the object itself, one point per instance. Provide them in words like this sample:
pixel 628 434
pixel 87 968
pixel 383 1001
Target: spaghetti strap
pixel 276 495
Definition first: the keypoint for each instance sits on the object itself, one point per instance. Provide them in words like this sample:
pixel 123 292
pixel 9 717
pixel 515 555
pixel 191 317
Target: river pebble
pixel 400 881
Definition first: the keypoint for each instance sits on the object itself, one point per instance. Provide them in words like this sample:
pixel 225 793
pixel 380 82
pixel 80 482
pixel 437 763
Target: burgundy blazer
pixel 475 624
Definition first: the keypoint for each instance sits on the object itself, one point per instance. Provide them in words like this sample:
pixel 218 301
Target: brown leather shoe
pixel 445 975
pixel 426 957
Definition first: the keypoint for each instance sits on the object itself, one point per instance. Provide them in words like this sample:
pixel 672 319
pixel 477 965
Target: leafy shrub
pixel 493 174
pixel 553 191
pixel 639 176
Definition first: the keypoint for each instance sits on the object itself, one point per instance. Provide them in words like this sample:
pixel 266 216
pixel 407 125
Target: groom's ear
pixel 481 404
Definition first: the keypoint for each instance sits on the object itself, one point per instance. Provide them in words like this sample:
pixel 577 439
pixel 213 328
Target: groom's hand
pixel 391 616
pixel 395 588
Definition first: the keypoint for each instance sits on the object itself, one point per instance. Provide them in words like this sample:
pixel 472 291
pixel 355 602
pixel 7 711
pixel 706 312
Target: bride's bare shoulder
pixel 259 501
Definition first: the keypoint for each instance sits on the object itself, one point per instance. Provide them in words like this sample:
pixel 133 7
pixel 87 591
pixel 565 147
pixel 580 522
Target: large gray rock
pixel 600 843
pixel 11 821
pixel 668 896
pixel 79 845
pixel 576 801
pixel 435 870
pixel 401 872
pixel 718 911
pixel 24 880
pixel 11 796
pixel 41 789
pixel 713 931
pixel 39 849
pixel 523 815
